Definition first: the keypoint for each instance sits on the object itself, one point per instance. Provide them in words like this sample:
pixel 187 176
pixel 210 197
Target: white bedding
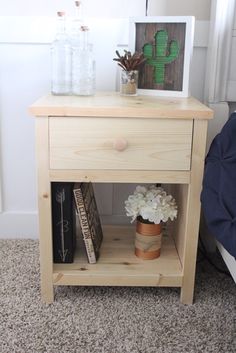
pixel 229 260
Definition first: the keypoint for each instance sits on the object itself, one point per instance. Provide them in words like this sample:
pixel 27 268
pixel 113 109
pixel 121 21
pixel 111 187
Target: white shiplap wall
pixel 231 89
pixel 24 76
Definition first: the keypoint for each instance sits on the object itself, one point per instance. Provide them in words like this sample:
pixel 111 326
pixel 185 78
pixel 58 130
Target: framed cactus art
pixel 167 44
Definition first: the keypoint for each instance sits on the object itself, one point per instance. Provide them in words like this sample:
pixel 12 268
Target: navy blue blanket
pixel 218 195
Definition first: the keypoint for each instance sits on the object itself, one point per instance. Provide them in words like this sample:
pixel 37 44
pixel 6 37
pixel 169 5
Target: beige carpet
pixel 111 320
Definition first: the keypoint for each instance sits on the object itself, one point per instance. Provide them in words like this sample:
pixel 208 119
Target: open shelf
pixel 118 266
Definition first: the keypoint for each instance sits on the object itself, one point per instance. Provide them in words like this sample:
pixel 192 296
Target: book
pixel 89 219
pixel 63 222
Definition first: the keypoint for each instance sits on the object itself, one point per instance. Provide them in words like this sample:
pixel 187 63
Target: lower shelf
pixel 118 266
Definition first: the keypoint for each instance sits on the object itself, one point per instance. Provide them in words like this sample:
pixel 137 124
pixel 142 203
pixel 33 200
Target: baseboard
pixel 19 225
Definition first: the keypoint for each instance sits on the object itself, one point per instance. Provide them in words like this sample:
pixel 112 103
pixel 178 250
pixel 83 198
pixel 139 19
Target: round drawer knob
pixel 120 144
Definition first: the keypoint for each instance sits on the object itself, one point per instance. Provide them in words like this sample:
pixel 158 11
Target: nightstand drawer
pixel 120 143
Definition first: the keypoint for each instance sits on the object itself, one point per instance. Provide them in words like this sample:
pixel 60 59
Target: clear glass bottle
pixel 61 59
pixel 83 64
pixel 76 23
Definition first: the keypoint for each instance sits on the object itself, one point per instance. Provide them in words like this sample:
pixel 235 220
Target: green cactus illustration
pixel 162 55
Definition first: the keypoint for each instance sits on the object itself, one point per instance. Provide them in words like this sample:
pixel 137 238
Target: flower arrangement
pixel 151 205
pixel 128 61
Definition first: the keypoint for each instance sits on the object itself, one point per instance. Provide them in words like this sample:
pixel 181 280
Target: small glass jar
pixel 128 82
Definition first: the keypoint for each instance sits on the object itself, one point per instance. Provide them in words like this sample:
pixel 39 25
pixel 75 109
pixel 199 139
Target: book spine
pixel 81 210
pixel 63 223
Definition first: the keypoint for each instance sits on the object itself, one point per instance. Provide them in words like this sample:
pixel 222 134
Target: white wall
pixel 199 8
pixel 108 8
pixel 92 8
pixel 25 76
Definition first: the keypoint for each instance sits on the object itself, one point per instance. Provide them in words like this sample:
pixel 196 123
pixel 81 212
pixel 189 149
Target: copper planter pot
pixel 148 240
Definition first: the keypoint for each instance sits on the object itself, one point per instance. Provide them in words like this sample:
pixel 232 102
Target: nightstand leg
pixel 186 295
pixel 193 211
pixel 46 260
pixel 44 206
pixel 47 292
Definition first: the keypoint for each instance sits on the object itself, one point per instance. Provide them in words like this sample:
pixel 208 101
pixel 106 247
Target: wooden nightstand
pixel 110 138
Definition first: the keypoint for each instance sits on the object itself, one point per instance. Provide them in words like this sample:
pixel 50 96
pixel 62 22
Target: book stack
pixel 71 200
pixel 89 219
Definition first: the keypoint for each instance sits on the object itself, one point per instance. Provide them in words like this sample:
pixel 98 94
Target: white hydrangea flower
pixel 151 203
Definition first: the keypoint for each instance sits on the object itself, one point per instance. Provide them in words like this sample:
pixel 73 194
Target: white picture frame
pixel 146 28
